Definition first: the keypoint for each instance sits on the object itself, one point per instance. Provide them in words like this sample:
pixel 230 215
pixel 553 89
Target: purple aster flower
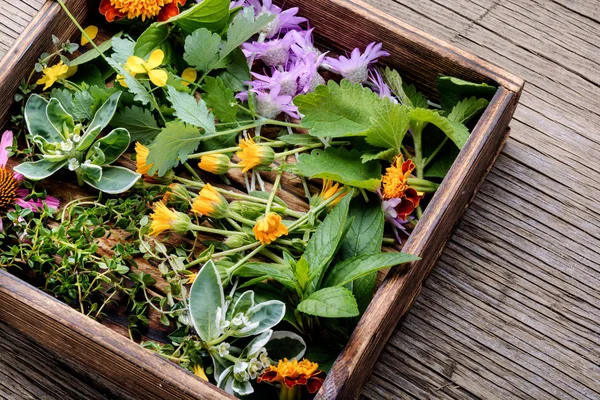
pixel 304 44
pixel 286 80
pixel 273 53
pixel 233 4
pixel 355 68
pixel 271 104
pixel 284 20
pixel 10 194
pixel 380 86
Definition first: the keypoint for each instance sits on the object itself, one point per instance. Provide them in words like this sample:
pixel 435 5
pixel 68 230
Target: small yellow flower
pixel 91 31
pixel 253 155
pixel 189 75
pixel 199 372
pixel 55 73
pixel 217 164
pixel 210 203
pixel 164 219
pixel 141 152
pixel 138 65
pixel 268 228
pixel 191 278
pixel 329 190
pixel 293 373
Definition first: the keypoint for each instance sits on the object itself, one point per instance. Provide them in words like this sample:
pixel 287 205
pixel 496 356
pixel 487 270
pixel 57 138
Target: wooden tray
pixel 130 371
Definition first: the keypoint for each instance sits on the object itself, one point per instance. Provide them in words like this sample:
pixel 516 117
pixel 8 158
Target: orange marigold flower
pixel 141 153
pixel 210 203
pixel 395 180
pixel 161 9
pixel 217 164
pixel 164 219
pixel 292 373
pixel 253 155
pixel 268 228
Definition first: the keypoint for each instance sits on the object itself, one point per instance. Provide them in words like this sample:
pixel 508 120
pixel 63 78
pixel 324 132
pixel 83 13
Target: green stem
pixel 236 250
pixel 298 150
pixel 418 151
pixel 232 149
pixel 437 150
pixel 231 271
pixel 422 185
pixel 273 191
pixel 200 228
pixel 274 257
pixel 191 170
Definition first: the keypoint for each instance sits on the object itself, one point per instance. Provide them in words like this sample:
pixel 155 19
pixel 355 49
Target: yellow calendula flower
pixel 217 164
pixel 164 219
pixel 268 228
pixel 141 152
pixel 253 155
pixel 91 31
pixel 138 65
pixel 189 75
pixel 210 203
pixel 293 373
pixel 199 372
pixel 329 190
pixel 55 73
pixel 176 192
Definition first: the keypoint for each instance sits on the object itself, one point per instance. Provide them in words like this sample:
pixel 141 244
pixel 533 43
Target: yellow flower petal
pixel 91 31
pixel 158 76
pixel 136 65
pixel 156 58
pixel 199 372
pixel 189 75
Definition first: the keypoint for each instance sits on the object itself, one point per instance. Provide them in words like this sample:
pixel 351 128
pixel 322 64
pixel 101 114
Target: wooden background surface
pixel 512 309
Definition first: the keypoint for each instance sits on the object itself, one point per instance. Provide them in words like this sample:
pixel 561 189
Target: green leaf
pixel 93 53
pixel 325 241
pixel 139 121
pixel 220 99
pixel 202 49
pixel 59 118
pixel 394 81
pixel 173 144
pixel 206 295
pixel 106 112
pixel 242 28
pixel 123 49
pixel 365 235
pixel 154 37
pixel 65 98
pixel 331 302
pixel 338 110
pixel 342 166
pixel 111 146
pixel 457 132
pixel 452 90
pixel 133 85
pixel 359 266
pixel 39 169
pixel 386 155
pixel 281 273
pixel 267 314
pixel 237 72
pixel 390 124
pixel 83 106
pixel 298 139
pixel 191 111
pixel 210 14
pixel 91 172
pixel 417 98
pixel 114 180
pixel 37 120
pixel 439 167
pixel 285 344
pixel 89 75
pixel 466 109
pixel 244 303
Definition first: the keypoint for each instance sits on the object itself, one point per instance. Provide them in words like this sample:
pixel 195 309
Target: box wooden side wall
pixel 345 25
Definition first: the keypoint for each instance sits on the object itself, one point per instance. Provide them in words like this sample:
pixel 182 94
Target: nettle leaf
pixel 173 144
pixel 202 49
pixel 452 90
pixel 191 111
pixel 242 28
pixel 338 110
pixel 114 180
pixel 417 98
pixel 210 14
pixel 365 235
pixel 359 266
pixel 154 37
pixel 331 302
pixel 394 81
pixel 37 120
pixel 139 121
pixel 457 132
pixel 386 155
pixel 39 169
pixel 342 166
pixel 390 124
pixel 220 99
pixel 206 296
pixel 466 109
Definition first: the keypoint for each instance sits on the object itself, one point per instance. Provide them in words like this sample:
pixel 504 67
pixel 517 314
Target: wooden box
pixel 130 371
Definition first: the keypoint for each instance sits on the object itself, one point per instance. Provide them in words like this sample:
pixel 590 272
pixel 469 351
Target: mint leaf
pixel 457 132
pixel 338 110
pixel 466 109
pixel 452 90
pixel 191 111
pixel 202 49
pixel 139 121
pixel 331 302
pixel 365 235
pixel 279 272
pixel 172 145
pixel 342 166
pixel 220 99
pixel 154 37
pixel 390 124
pixel 210 14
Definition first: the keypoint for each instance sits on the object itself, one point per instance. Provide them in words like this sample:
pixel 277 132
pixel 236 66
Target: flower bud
pixel 217 164
pixel 210 203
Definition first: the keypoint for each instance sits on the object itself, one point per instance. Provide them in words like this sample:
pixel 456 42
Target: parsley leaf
pixel 173 145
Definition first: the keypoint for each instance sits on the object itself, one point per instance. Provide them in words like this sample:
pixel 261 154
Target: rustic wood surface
pixel 512 308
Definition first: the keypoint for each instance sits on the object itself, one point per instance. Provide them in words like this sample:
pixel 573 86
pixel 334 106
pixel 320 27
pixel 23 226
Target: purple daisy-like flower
pixel 286 80
pixel 284 20
pixel 356 68
pixel 271 104
pixel 391 215
pixel 380 86
pixel 10 194
pixel 233 4
pixel 273 53
pixel 310 77
pixel 304 44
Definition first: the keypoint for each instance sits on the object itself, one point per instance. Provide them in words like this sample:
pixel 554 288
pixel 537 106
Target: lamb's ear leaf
pixel 105 112
pixel 39 169
pixel 114 180
pixel 37 120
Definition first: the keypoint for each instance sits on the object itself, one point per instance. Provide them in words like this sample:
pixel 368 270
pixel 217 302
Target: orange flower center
pixel 8 188
pixel 140 8
pixel 395 180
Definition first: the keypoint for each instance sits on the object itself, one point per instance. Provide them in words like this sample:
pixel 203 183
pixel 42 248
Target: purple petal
pixel 5 143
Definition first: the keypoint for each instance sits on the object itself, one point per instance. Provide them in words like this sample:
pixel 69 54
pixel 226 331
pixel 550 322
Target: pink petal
pixel 18 177
pixel 6 141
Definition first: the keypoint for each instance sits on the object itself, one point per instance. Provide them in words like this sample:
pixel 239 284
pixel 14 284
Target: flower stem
pixel 200 228
pixel 298 150
pixel 273 191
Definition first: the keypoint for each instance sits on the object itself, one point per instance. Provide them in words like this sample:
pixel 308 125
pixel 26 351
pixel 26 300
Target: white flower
pixel 76 138
pixel 221 322
pixel 73 164
pixel 223 349
pixel 66 146
pixel 255 368
pixel 240 320
pixel 240 372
